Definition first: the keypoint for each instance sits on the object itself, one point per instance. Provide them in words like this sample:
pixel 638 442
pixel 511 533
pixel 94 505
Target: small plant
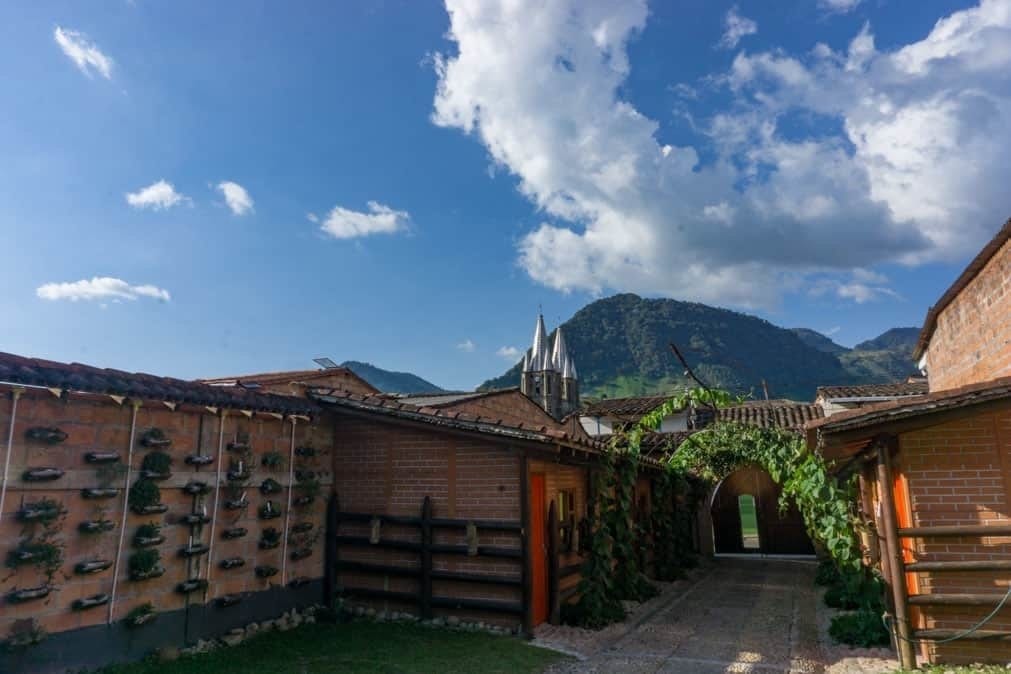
pixel 827 574
pixel 144 495
pixel 41 554
pixel 269 538
pixel 157 465
pixel 48 435
pixel 154 437
pixel 24 633
pixel 308 487
pixel 270 486
pixel 140 615
pixel 145 563
pixel 265 571
pixel 44 510
pixel 305 451
pixel 96 526
pixel 273 460
pixel 269 511
pixel 863 628
pixel 147 533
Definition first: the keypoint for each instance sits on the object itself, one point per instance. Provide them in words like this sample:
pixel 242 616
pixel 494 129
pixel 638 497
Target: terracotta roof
pixel 663 442
pixel 895 410
pixel 989 250
pixel 443 398
pixel 385 406
pixel 893 390
pixel 787 414
pixel 624 408
pixel 86 378
pixel 286 376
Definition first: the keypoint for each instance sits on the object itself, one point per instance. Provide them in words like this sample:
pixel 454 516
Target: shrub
pixel 157 462
pixel 863 628
pixel 828 573
pixel 838 596
pixel 144 561
pixel 144 493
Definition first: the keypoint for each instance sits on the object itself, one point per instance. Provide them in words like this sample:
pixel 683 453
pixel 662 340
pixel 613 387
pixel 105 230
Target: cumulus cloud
pixel 467 346
pixel 735 27
pixel 236 197
pixel 100 288
pixel 156 196
pixel 510 353
pixel 85 54
pixel 907 165
pixel 344 223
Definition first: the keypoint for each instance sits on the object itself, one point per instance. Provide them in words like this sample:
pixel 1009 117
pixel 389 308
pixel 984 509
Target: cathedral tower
pixel 549 376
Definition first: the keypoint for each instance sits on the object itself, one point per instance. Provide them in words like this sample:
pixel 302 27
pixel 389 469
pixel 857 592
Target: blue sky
pixel 256 184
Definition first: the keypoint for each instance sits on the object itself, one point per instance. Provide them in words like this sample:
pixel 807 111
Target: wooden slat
pixel 983 565
pixel 406 597
pixel 978 635
pixel 989 599
pixel 497 525
pixel 389 519
pixel 956 530
pixel 363 542
pixel 513 607
pixel 482 551
pixel 570 570
pixel 482 578
pixel 379 569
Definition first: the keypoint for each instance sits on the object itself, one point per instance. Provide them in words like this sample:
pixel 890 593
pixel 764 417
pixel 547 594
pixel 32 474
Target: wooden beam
pixel 985 565
pixel 989 599
pixel 956 530
pixel 907 655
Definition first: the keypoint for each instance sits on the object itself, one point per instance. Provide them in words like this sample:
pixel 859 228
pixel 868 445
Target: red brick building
pixel 935 473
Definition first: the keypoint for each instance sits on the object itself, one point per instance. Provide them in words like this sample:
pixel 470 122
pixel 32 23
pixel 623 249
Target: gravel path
pixel 733 616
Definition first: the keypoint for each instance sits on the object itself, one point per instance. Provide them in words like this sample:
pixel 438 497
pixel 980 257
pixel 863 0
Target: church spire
pixel 540 358
pixel 560 356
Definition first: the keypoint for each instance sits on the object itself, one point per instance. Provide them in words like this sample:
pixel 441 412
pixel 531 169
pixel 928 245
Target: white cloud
pixel 735 27
pixel 100 288
pixel 510 353
pixel 85 54
pixel 343 223
pixel 833 330
pixel 839 6
pixel 908 165
pixel 236 197
pixel 467 346
pixel 156 196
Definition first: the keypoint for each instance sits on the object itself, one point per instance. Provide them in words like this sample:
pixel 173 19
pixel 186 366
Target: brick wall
pixel 97 423
pixel 972 340
pixel 959 472
pixel 387 468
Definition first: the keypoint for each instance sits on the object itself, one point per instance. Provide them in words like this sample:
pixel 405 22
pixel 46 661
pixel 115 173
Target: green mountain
pixel 621 347
pixel 388 381
pixel 896 339
pixel 887 357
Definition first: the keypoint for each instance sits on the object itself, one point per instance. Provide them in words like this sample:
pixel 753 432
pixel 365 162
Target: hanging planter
pixel 195 519
pixel 305 451
pixel 199 459
pixel 272 460
pixel 237 504
pixel 50 435
pixel 145 498
pixel 301 528
pixel 156 466
pixel 99 492
pixel 29 594
pixel 194 550
pixel 269 538
pixel 41 474
pixel 148 535
pixel 96 526
pixel 41 555
pixel 154 437
pixel 45 510
pixel 195 488
pixel 238 474
pixel 238 446
pixel 191 585
pixel 265 571
pixel 232 563
pixel 301 554
pixel 303 501
pixel 145 563
pixel 269 511
pixel 92 566
pixel 304 475
pixel 227 600
pixel 233 533
pixel 24 633
pixel 90 602
pixel 270 486
pixel 101 457
pixel 299 582
pixel 140 615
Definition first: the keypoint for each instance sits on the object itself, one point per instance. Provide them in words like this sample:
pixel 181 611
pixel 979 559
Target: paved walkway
pixel 741 616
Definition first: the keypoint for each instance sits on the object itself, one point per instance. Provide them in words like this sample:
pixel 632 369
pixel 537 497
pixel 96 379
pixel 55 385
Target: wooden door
pixel 538 549
pixel 777 533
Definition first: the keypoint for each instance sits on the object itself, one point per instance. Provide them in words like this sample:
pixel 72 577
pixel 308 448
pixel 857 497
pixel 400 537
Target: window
pixel 566 519
pixel 749 522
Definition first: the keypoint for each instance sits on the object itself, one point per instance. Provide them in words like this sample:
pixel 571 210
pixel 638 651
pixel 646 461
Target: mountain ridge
pixel 389 381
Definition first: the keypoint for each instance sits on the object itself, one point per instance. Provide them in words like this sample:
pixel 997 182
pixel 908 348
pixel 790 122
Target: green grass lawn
pixel 749 518
pixel 360 647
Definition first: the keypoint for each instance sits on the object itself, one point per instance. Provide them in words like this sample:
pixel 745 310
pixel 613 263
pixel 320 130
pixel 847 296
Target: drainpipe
pixel 217 496
pixel 126 495
pixel 287 511
pixel 15 394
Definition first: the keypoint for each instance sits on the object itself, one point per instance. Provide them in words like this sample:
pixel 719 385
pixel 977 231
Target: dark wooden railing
pixel 425 548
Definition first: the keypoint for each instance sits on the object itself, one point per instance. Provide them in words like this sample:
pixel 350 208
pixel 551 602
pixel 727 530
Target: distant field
pixel 749 520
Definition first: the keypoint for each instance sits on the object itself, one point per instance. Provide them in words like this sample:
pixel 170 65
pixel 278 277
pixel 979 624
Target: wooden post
pixel 425 594
pixel 331 554
pixel 554 604
pixel 527 572
pixel 907 655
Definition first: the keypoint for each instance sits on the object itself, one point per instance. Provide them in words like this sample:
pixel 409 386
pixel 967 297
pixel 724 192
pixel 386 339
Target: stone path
pixel 739 616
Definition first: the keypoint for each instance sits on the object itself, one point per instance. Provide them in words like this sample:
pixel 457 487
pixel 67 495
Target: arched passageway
pixel 747 519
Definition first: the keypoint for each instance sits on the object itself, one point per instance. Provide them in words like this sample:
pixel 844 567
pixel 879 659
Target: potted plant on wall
pixel 272 460
pixel 140 615
pixel 24 633
pixel 145 498
pixel 269 538
pixel 145 564
pixel 148 535
pixel 156 466
pixel 154 437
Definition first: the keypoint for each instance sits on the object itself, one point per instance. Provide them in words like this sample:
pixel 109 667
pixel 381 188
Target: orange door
pixel 538 549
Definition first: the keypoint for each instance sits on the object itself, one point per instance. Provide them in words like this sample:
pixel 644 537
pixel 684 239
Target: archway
pixel 747 519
